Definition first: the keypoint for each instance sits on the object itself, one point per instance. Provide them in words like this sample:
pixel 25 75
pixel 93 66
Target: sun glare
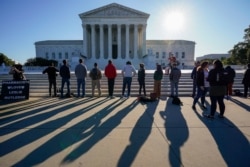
pixel 175 21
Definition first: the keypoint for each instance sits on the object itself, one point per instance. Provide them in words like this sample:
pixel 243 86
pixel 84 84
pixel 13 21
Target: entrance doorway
pixel 114 51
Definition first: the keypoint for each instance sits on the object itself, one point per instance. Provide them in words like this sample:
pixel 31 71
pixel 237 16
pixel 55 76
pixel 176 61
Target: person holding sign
pixel 17 72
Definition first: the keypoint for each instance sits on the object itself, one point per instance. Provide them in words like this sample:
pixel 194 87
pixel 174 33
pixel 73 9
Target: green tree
pixel 4 59
pixel 240 54
pixel 38 61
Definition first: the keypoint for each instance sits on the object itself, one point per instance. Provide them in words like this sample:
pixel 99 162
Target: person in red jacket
pixel 110 73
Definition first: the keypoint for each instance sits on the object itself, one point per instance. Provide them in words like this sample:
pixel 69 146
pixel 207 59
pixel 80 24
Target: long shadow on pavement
pixel 97 135
pixel 243 105
pixel 176 131
pixel 26 119
pixel 32 109
pixel 231 142
pixel 74 134
pixel 46 128
pixel 139 135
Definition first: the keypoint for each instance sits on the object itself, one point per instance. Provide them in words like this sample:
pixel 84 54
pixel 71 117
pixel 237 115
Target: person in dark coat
pixel 52 73
pixel 141 79
pixel 193 77
pixel 218 89
pixel 246 80
pixel 158 74
pixel 231 73
pixel 65 74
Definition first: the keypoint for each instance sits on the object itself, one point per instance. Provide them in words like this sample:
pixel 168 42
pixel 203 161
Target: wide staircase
pixel 39 84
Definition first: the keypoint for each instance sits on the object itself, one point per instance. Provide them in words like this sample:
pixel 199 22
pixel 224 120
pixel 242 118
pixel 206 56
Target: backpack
pixel 223 77
pixel 176 101
pixel 94 74
pixel 237 92
pixel 175 74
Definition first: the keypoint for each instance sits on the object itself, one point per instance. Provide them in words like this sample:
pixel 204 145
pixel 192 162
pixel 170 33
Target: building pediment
pixel 114 10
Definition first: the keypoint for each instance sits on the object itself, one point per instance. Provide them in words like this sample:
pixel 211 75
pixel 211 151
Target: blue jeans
pixel 126 81
pixel 174 88
pixel 62 86
pixel 201 94
pixel 79 83
pixel 214 100
pixel 194 88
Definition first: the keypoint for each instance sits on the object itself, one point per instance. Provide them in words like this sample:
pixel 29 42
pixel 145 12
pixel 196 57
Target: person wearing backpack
pixel 246 81
pixel 174 77
pixel 218 80
pixel 96 74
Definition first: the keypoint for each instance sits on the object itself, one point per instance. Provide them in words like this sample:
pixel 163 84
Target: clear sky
pixel 215 25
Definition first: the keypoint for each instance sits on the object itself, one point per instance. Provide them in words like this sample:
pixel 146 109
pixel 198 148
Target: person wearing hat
pixel 128 72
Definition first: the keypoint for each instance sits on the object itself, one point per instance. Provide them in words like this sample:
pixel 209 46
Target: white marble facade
pixel 119 33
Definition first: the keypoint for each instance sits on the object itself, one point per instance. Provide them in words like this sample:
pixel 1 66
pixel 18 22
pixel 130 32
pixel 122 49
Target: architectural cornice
pixel 114 10
pixel 60 42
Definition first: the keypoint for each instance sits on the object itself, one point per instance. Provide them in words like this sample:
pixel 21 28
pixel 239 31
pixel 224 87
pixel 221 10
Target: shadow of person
pixel 243 105
pixel 139 135
pixel 76 133
pixel 97 134
pixel 177 131
pixel 231 142
pixel 32 135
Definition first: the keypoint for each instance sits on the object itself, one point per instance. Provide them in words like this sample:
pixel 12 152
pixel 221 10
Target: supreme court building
pixel 118 33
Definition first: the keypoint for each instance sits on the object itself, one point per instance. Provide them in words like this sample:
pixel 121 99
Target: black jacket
pixel 65 72
pixel 51 71
pixel 200 77
pixel 141 74
pixel 246 77
pixel 213 77
pixel 231 73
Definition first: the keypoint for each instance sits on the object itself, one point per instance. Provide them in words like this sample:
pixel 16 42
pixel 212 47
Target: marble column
pixel 85 50
pixel 144 40
pixel 135 40
pixel 109 40
pixel 93 41
pixel 101 42
pixel 119 40
pixel 127 41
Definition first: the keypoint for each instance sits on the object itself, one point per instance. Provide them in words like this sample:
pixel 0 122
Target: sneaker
pixel 193 107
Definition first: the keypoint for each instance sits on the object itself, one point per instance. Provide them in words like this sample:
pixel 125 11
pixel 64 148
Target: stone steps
pixel 39 84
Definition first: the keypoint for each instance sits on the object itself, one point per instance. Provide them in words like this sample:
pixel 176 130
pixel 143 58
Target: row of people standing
pixel 128 72
pixel 81 74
